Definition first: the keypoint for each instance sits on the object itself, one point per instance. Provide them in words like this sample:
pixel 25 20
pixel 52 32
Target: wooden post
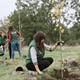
pixel 60 40
pixel 19 21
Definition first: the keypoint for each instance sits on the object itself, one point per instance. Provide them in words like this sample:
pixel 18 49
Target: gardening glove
pixel 59 43
pixel 39 71
pixel 5 36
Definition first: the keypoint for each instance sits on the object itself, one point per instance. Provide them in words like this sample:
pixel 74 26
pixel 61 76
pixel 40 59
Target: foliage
pixel 5 25
pixel 74 31
pixel 71 42
pixel 42 15
pixel 34 17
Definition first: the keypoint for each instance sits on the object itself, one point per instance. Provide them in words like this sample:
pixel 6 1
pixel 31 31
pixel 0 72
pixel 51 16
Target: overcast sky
pixel 6 7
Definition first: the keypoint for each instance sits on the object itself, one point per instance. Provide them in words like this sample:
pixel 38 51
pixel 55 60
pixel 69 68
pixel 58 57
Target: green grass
pixel 72 52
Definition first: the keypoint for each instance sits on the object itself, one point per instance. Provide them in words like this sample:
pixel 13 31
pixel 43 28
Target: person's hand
pixel 5 36
pixel 39 71
pixel 7 40
pixel 59 43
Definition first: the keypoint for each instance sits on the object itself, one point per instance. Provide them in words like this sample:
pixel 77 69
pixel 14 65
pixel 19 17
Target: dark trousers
pixel 43 64
pixel 9 50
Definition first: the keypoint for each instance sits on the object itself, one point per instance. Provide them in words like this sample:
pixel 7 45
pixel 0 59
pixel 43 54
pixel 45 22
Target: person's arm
pixel 18 33
pixel 5 36
pixel 34 59
pixel 5 45
pixel 37 69
pixel 53 48
pixel 49 48
pixel 33 55
pixel 9 36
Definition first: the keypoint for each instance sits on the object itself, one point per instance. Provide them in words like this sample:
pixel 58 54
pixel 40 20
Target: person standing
pixel 35 60
pixel 9 46
pixel 13 38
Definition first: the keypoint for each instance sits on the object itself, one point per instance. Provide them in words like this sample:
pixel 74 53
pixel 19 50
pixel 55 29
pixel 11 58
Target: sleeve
pixel 8 42
pixel 18 33
pixel 9 36
pixel 33 55
pixel 47 47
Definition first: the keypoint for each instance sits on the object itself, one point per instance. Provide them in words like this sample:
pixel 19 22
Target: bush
pixel 71 42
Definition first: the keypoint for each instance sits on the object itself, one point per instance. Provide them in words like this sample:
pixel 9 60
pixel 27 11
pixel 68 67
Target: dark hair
pixel 10 28
pixel 38 37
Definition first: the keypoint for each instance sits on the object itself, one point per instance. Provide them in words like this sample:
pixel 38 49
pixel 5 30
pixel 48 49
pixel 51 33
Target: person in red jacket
pixel 9 46
pixel 13 38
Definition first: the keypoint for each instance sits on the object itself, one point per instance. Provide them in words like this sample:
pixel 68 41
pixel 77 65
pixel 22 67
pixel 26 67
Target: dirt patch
pixel 1 61
pixel 66 74
pixel 48 79
pixel 72 62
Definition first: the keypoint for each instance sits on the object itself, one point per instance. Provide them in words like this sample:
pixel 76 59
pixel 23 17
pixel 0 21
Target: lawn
pixel 7 69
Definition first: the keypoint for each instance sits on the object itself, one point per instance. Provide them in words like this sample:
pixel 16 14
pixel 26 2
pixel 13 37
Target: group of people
pixel 2 42
pixel 12 42
pixel 35 60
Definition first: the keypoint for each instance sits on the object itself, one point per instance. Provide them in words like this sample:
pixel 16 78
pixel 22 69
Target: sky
pixel 6 7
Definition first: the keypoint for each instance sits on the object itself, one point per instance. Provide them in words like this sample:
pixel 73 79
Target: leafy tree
pixel 75 29
pixel 34 16
pixel 5 25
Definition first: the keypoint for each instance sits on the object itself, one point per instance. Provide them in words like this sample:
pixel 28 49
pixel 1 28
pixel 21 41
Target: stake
pixel 61 55
pixel 19 21
pixel 60 44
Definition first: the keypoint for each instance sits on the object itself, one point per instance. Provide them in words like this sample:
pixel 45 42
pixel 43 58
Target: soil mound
pixel 66 75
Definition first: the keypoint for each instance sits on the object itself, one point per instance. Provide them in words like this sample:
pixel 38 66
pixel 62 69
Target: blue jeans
pixel 13 47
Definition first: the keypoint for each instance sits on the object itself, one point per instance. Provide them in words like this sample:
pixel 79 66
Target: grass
pixel 7 70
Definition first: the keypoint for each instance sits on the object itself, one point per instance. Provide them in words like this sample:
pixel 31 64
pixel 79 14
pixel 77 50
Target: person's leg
pixel 18 48
pixel 12 49
pixel 44 63
pixel 30 67
pixel 49 59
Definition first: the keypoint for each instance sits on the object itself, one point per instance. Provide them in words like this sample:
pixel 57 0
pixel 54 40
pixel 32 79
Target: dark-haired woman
pixel 13 38
pixel 9 46
pixel 35 60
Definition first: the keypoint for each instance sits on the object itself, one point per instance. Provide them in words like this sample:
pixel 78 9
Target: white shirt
pixel 34 54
